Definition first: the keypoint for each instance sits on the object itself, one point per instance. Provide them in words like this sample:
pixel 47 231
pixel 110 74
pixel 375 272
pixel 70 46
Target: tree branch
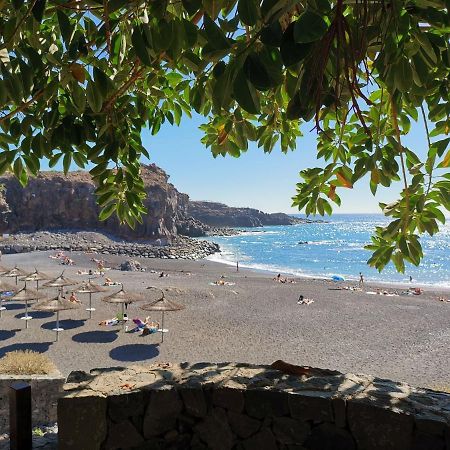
pixel 135 75
pixel 23 106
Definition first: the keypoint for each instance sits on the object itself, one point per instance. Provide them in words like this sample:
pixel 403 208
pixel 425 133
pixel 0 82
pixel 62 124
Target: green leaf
pixel 264 68
pixel 38 10
pixel 94 97
pixel 65 26
pixel 215 36
pixel 67 160
pixel 245 94
pixel 291 52
pixel 441 146
pixel 272 34
pixel 107 211
pixel 139 45
pixel 309 27
pixel 403 75
pixel 248 11
pixel 192 6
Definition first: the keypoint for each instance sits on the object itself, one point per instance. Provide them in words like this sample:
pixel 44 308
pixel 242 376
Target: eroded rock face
pixel 56 201
pixel 220 215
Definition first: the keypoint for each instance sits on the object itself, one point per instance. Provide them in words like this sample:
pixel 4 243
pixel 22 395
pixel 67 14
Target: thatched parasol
pixel 4 289
pixel 36 276
pixel 15 273
pixel 90 288
pixel 25 295
pixel 3 270
pixel 56 304
pixel 162 304
pixel 60 282
pixel 124 298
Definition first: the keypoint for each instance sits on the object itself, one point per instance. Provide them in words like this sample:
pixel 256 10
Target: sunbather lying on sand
pixel 118 320
pixel 109 282
pixel 58 255
pixel 150 328
pixel 222 283
pixel 304 301
pixel 67 261
pixel 139 324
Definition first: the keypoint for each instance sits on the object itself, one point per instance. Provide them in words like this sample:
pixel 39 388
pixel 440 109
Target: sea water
pixel 334 248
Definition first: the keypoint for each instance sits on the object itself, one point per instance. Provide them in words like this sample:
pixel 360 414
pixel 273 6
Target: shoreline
pixel 284 272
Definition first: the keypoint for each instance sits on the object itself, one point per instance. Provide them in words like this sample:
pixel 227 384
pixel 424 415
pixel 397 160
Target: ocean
pixel 322 250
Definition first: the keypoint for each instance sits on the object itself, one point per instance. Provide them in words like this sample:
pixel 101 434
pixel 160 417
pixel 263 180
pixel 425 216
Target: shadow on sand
pixel 35 314
pixel 7 334
pixel 66 324
pixel 13 306
pixel 39 347
pixel 40 314
pixel 134 352
pixel 96 337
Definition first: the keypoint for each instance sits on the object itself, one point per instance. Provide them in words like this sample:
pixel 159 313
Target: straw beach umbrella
pixel 56 304
pixel 15 273
pixel 25 295
pixel 60 282
pixel 162 304
pixel 90 288
pixel 4 269
pixel 123 298
pixel 36 276
pixel 5 293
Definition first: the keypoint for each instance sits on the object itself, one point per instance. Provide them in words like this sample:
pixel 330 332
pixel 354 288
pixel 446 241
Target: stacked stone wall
pixel 234 406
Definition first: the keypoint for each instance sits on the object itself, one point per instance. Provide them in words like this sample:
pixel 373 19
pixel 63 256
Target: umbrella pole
pixel 57 324
pixel 162 328
pixel 1 306
pixel 26 313
pixel 37 285
pixel 90 305
pixel 123 316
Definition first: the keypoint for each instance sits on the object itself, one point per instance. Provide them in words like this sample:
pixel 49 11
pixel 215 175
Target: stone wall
pixel 225 406
pixel 45 391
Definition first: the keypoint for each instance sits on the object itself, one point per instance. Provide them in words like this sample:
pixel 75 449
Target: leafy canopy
pixel 80 79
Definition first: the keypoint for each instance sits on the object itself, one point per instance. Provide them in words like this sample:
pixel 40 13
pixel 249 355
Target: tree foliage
pixel 80 79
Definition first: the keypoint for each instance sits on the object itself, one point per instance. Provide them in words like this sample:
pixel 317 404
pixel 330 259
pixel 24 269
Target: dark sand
pixel 257 320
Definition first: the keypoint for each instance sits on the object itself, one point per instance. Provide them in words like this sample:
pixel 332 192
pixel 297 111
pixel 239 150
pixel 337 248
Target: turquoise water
pixel 334 248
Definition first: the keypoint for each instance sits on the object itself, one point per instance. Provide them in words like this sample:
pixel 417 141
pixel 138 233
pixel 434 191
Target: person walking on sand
pixel 361 280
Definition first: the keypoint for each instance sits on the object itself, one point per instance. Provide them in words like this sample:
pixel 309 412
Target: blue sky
pixel 256 179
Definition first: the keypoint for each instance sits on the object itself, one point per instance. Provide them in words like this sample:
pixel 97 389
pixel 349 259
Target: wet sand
pixel 255 320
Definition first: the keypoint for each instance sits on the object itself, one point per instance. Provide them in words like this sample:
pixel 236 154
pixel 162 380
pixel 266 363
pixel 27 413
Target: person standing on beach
pixel 361 280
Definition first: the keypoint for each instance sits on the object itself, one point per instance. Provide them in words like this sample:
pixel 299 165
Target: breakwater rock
pixel 220 215
pixel 94 242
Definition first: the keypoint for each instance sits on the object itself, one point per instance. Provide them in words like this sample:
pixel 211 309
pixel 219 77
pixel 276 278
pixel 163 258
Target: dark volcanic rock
pixel 56 201
pixel 220 215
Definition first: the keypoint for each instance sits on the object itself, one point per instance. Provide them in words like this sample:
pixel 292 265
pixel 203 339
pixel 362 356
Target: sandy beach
pixel 251 319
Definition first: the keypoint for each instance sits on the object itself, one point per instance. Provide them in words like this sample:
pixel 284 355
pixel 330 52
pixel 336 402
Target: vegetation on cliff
pixel 80 79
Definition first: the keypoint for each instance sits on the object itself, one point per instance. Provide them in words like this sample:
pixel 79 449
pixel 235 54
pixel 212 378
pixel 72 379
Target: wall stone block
pixel 247 407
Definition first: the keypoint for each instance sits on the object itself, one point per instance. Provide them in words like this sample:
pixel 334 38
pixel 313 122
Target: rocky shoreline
pixel 95 242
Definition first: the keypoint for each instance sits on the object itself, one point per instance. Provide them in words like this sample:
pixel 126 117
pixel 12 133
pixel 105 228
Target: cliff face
pixel 220 215
pixel 55 201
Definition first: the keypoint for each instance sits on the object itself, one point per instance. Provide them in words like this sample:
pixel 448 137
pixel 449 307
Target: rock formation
pixel 56 201
pixel 220 215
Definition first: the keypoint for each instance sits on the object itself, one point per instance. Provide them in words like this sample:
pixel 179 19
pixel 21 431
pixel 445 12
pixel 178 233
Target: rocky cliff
pixel 220 215
pixel 56 201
